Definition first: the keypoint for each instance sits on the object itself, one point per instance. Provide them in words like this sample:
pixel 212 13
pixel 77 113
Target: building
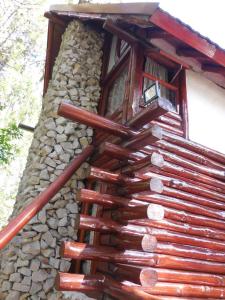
pixel 151 186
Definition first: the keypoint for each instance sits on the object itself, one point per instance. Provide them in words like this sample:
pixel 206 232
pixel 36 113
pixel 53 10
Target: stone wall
pixel 30 262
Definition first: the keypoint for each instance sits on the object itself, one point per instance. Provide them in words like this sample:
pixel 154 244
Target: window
pixel 154 72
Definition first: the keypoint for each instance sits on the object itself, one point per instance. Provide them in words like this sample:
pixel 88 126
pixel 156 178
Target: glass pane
pixel 160 72
pixel 116 92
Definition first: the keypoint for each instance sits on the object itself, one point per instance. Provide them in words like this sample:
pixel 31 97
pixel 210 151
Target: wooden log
pixel 105 200
pixel 169 275
pixel 108 177
pixel 189 218
pixel 186 290
pixel 119 152
pixel 179 183
pixel 193 156
pixel 139 139
pixel 180 204
pixel 158 161
pixel 175 226
pixel 139 275
pixel 91 119
pixel 168 128
pixel 136 228
pixel 78 282
pixel 157 108
pixel 170 121
pixel 186 163
pixel 145 137
pixel 149 243
pixel 76 250
pixel 195 147
pixel 153 185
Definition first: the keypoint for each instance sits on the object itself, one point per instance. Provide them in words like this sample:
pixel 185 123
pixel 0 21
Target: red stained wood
pixel 162 82
pixel 193 146
pixel 88 118
pixel 42 199
pixel 109 254
pixel 78 282
pixel 187 36
pixel 156 109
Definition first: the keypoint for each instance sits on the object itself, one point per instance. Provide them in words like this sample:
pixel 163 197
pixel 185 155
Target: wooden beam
pixel 213 69
pixel 188 52
pixel 157 33
pixel 188 36
pixel 110 26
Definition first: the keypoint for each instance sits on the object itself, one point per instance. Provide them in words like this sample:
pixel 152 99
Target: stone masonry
pixel 30 262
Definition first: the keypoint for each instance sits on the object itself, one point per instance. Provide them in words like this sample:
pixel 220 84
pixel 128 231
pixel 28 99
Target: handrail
pixel 15 225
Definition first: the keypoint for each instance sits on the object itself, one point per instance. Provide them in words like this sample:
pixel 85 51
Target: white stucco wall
pixel 206 107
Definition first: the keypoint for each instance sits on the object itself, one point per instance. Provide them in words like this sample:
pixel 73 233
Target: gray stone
pixel 13 295
pixel 50 162
pixel 65 265
pixel 44 174
pixel 53 223
pixel 49 283
pixel 24 271
pixel 61 213
pixel 63 222
pixel 9 268
pixel 21 287
pixel 22 263
pixel 42 216
pixel 65 157
pixel 35 264
pixel 32 248
pixel 40 228
pixel 39 276
pixel 61 138
pixel 48 238
pixel 54 262
pixel 15 277
pixel 26 280
pixel 35 287
pixel 50 124
pixel 6 286
pixel 72 208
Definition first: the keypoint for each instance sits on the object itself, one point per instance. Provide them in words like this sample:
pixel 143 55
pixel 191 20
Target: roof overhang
pixel 141 8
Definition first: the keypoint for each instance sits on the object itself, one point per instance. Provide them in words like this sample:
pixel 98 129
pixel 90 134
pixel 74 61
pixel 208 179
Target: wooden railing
pixel 15 225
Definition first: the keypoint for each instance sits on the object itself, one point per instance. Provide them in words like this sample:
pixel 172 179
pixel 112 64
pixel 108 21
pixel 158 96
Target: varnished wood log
pixel 192 156
pixel 179 183
pixel 119 152
pixel 139 139
pixel 158 161
pixel 153 185
pixel 195 147
pixel 106 200
pixel 157 108
pixel 149 244
pixel 144 137
pixel 168 275
pixel 186 163
pixel 109 254
pixel 139 275
pixel 79 282
pixel 141 227
pixel 168 128
pixel 91 119
pixel 170 121
pixel 106 176
pixel 180 204
pixel 217 236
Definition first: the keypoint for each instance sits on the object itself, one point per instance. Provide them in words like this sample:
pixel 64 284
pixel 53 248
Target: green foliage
pixel 7 147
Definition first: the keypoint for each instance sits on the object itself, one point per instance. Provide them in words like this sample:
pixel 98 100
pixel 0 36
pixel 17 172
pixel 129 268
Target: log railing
pixel 16 224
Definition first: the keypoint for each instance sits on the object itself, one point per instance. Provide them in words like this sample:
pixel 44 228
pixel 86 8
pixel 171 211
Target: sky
pixel 204 16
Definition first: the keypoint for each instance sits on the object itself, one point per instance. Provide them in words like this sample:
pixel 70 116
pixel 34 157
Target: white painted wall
pixel 206 107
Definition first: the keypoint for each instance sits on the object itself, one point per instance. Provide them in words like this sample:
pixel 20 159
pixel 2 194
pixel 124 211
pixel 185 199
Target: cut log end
pixel 155 212
pixel 157 132
pixel 148 277
pixel 149 243
pixel 156 185
pixel 157 160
